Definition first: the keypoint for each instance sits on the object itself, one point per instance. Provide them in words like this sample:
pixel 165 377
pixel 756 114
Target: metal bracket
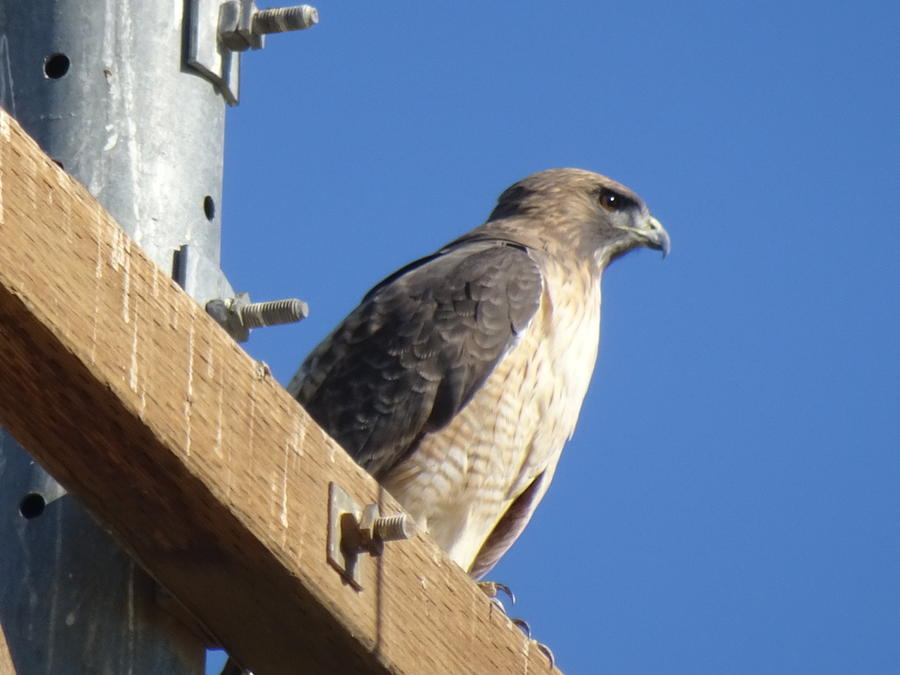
pixel 208 54
pixel 218 30
pixel 201 277
pixel 353 530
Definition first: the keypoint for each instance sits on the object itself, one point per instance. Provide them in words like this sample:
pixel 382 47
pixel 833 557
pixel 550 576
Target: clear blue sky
pixel 730 502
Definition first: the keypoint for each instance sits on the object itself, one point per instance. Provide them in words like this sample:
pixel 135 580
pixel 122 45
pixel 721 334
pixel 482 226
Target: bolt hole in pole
pixel 32 505
pixel 209 207
pixel 56 66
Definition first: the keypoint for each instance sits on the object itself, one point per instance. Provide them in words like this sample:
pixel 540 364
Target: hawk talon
pixel 547 652
pixel 493 588
pixel 499 605
pixel 522 625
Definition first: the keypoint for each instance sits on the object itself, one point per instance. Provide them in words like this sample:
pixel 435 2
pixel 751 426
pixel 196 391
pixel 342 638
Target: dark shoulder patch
pixel 418 347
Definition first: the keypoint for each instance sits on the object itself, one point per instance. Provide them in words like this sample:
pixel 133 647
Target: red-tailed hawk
pixel 459 378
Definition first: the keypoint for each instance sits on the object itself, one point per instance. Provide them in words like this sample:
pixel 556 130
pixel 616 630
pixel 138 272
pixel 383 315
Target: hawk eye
pixel 611 201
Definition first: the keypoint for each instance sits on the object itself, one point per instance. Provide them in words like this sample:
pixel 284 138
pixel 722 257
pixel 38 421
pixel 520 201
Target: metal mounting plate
pixel 344 516
pixel 206 52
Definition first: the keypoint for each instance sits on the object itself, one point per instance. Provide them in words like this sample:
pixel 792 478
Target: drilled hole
pixel 56 65
pixel 32 505
pixel 209 207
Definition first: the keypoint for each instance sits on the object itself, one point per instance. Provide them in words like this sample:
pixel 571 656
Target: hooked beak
pixel 655 236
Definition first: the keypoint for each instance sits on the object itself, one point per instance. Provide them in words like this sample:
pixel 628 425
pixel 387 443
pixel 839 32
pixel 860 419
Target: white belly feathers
pixel 461 480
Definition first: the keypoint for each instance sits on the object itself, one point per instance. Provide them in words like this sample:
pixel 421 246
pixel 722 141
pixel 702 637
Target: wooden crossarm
pixel 199 462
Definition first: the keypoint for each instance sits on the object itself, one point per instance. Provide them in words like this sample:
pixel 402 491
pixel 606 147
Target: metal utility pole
pixel 129 97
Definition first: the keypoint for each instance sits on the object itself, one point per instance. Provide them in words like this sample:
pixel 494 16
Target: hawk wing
pixel 511 524
pixel 418 347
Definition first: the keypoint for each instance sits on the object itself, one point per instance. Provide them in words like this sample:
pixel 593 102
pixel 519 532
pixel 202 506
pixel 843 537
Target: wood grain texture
pixel 199 462
pixel 6 664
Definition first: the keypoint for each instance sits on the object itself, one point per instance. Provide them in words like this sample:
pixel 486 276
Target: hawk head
pixel 562 211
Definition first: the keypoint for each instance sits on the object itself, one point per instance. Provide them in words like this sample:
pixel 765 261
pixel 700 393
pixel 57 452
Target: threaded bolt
pixel 283 19
pixel 392 528
pixel 258 314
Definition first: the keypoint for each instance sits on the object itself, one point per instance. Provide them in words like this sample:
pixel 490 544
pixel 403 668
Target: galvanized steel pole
pixel 129 97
